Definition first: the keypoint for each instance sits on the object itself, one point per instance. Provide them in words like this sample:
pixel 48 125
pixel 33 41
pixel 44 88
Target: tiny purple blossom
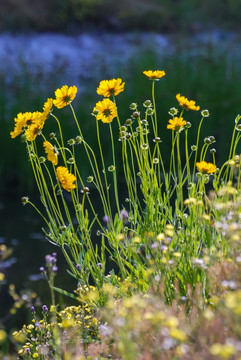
pixel 45 309
pixel 124 215
pixel 54 269
pixel 106 219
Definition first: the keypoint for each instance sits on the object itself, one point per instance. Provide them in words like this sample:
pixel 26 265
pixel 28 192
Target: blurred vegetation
pixel 165 15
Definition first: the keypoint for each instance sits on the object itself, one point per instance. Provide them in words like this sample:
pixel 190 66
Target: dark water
pixel 20 230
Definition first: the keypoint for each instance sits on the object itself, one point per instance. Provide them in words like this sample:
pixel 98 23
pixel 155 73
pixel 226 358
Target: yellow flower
pixel 35 127
pixel 187 104
pixel 65 178
pixel 110 87
pixel 51 151
pixel 1 276
pixel 64 96
pixel 47 108
pixel 206 168
pixel 177 123
pixel 154 75
pixel 21 121
pixel 3 336
pixel 106 110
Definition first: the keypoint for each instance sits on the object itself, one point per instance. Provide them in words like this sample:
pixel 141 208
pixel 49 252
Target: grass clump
pixel 163 258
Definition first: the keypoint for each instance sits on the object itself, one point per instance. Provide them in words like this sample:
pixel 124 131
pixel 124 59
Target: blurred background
pixel 49 43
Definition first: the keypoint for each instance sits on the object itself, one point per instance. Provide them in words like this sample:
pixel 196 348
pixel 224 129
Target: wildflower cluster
pixel 74 326
pixel 163 240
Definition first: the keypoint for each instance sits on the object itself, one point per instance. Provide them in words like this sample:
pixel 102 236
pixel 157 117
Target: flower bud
pixel 173 111
pixel 45 309
pixel 71 161
pixel 194 148
pixel 90 179
pixel 52 135
pixel 212 151
pixel 207 140
pixel 23 138
pixel 111 168
pixel 128 136
pixel 147 103
pixel 78 140
pixel 71 142
pixel 85 190
pixel 212 138
pixel 205 113
pixel 135 114
pixel 188 125
pixel 42 159
pixel 157 139
pixel 95 112
pixel 25 200
pixel 128 122
pixel 133 106
pixel 149 111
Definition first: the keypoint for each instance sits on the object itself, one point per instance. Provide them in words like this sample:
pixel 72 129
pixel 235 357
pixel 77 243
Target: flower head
pixel 154 75
pixel 65 178
pixel 35 127
pixel 51 151
pixel 47 108
pixel 110 87
pixel 206 168
pixel 187 104
pixel 177 123
pixel 106 110
pixel 64 96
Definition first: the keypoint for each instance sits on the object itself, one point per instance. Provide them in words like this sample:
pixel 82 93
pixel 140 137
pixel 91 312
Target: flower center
pixel 66 98
pixel 107 112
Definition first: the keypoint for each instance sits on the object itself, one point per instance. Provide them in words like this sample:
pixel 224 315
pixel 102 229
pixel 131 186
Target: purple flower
pixel 106 219
pixel 33 309
pixel 45 309
pixel 54 269
pixel 124 215
pixel 42 269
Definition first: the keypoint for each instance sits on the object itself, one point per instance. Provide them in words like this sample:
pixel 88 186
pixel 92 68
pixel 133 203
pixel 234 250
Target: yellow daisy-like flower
pixel 110 87
pixel 177 123
pixel 187 104
pixel 35 126
pixel 106 110
pixel 47 108
pixel 206 168
pixel 154 75
pixel 52 152
pixel 24 120
pixel 64 96
pixel 65 178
